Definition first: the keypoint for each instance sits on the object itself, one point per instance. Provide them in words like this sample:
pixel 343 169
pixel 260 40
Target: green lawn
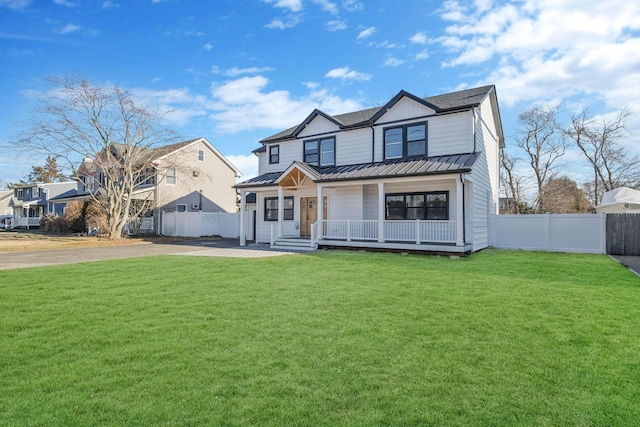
pixel 331 338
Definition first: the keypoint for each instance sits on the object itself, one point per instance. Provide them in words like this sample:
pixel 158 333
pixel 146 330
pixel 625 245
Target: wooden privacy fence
pixel 623 234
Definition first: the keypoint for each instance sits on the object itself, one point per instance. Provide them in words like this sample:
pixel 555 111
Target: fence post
pixel 603 232
pixel 547 232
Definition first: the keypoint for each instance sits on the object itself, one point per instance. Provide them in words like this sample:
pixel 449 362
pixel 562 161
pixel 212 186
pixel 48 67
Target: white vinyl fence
pixel 584 233
pixel 197 224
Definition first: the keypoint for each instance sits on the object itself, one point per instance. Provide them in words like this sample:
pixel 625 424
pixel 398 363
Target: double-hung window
pixel 320 152
pixel 405 141
pixel 171 177
pixel 274 154
pixel 426 206
pixel 271 208
pixel 201 155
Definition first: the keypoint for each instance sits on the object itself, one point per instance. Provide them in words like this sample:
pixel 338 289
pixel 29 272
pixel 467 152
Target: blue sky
pixel 236 71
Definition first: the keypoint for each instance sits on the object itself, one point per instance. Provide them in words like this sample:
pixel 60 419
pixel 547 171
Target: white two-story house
pixel 417 174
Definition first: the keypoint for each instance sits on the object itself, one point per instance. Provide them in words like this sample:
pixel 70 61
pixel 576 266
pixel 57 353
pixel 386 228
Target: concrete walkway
pixel 216 248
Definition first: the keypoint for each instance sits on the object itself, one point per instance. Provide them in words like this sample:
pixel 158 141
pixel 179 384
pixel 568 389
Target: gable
pixel 404 109
pixel 317 126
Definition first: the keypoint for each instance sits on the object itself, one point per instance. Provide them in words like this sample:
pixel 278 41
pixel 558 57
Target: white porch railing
pixel 24 221
pixel 418 231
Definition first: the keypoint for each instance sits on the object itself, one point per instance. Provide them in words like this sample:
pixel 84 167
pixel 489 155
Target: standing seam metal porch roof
pixel 421 166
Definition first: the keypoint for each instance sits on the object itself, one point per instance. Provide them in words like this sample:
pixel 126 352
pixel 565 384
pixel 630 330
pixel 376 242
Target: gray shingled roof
pixel 439 103
pixel 388 169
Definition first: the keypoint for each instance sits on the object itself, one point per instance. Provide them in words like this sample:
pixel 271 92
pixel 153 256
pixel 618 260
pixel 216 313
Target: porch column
pixel 459 212
pixel 280 210
pixel 243 238
pixel 381 212
pixel 321 218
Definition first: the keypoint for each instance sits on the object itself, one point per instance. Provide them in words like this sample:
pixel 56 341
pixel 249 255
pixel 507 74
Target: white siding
pixel 405 108
pixel 263 162
pixel 318 125
pixel 354 147
pixel 290 151
pixel 345 203
pixel 485 176
pixel 450 134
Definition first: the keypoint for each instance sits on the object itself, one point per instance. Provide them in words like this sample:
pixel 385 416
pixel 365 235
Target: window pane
pixel 416 213
pixel 437 200
pixel 328 147
pixel 288 203
pixel 395 207
pixel 393 151
pixel 415 133
pixel 416 148
pixel 311 152
pixel 415 200
pixel 393 135
pixel 437 214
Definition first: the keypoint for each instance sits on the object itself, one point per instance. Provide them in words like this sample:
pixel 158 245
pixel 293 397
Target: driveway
pixel 218 248
pixel 631 262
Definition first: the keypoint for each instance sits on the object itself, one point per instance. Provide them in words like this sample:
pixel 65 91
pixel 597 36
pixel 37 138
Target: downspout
pixel 373 144
pixel 475 146
pixel 464 219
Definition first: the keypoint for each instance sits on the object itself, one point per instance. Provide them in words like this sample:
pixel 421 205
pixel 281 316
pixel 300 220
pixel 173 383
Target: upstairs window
pixel 271 208
pixel 19 193
pixel 274 154
pixel 320 152
pixel 171 177
pixel 35 192
pixel 405 141
pixel 426 206
pixel 201 155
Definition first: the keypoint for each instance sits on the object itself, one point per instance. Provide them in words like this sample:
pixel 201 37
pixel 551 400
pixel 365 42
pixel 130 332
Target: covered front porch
pixel 359 214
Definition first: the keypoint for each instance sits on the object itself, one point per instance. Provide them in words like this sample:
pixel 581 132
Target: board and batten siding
pixel 403 109
pixel 319 125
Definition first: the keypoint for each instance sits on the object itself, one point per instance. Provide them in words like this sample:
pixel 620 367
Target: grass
pixel 331 338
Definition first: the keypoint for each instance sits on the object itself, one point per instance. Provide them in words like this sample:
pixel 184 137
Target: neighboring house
pixel 5 211
pixel 30 202
pixel 415 174
pixel 190 176
pixel 620 200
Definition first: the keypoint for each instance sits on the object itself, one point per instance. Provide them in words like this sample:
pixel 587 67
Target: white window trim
pixel 174 176
pixel 201 152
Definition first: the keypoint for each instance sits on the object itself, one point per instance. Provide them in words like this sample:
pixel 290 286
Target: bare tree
pixel 101 125
pixel 612 165
pixel 544 142
pixel 512 183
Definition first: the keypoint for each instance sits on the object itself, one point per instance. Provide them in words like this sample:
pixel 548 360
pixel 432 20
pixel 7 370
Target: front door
pixel 308 214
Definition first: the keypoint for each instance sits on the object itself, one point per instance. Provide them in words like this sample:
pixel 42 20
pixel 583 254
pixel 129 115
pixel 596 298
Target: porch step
pixel 293 244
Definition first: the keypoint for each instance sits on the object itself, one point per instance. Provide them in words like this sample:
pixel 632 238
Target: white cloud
pixel 15 4
pixel 245 104
pixel 422 55
pixel 247 164
pixel 336 25
pixel 549 49
pixel 419 38
pixel 109 5
pixel 207 46
pixel 69 28
pixel 366 33
pixel 393 62
pixel 345 73
pixel 327 6
pixel 234 72
pixel 289 22
pixel 292 5
pixel 353 5
pixel 65 3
